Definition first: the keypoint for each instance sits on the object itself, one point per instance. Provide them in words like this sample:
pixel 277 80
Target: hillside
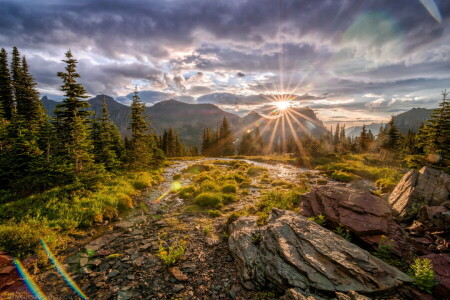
pixel 409 120
pixel 190 119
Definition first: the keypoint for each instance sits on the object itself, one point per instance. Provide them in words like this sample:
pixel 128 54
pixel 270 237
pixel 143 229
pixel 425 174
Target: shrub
pixel 280 199
pixel 124 203
pixel 255 170
pixel 202 177
pixel 423 274
pixel 229 189
pixel 228 198
pixel 209 186
pixel 173 253
pixel 214 213
pixel 345 233
pixel 343 176
pixel 234 216
pixel 384 248
pixel 186 192
pixel 320 220
pixel 209 199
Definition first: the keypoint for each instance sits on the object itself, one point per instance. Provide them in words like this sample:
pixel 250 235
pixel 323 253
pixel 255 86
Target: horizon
pixel 353 63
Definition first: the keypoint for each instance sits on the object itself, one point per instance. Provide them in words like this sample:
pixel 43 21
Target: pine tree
pixel 108 145
pixel 392 137
pixel 6 90
pixel 29 107
pixel 434 136
pixel 72 118
pixel 143 151
pixel 226 138
pixel 207 142
pixel 363 140
pixel 259 143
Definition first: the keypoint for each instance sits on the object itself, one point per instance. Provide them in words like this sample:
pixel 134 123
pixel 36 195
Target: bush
pixel 173 253
pixel 186 192
pixel 209 199
pixel 229 189
pixel 213 213
pixel 209 186
pixel 228 198
pixel 124 203
pixel 384 248
pixel 423 274
pixel 255 170
pixel 343 176
pixel 280 199
pixel 319 220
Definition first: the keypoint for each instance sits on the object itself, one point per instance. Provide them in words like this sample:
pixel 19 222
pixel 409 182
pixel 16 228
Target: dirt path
pixel 121 262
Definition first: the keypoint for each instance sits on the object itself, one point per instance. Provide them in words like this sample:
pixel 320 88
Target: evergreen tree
pixel 108 145
pixel 143 151
pixel 72 118
pixel 363 140
pixel 6 91
pixel 226 138
pixel 247 145
pixel 434 137
pixel 207 142
pixel 392 137
pixel 259 143
pixel 29 107
pixel 16 70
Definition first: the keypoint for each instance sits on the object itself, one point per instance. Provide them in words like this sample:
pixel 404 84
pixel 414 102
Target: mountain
pixel 190 119
pixel 409 120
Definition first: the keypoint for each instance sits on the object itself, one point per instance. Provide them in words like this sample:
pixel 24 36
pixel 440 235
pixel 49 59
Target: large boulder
pixel 441 266
pixel 293 252
pixel 418 188
pixel 365 215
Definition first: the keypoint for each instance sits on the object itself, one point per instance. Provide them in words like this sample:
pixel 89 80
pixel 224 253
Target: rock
pixel 363 214
pixel 177 288
pixel 352 295
pixel 113 273
pixel 102 241
pixel 177 274
pixel 434 216
pixel 294 252
pixel 296 294
pixel 418 188
pixel 441 266
pixel 84 261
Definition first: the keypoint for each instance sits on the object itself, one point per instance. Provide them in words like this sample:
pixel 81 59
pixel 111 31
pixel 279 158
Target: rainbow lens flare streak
pixel 63 273
pixel 31 285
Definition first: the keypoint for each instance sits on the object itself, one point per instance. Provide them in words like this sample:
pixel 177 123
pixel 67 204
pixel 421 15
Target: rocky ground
pixel 289 255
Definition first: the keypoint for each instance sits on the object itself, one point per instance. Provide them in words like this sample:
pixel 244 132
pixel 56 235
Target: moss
pixel 214 213
pixel 229 189
pixel 343 176
pixel 209 199
pixel 229 198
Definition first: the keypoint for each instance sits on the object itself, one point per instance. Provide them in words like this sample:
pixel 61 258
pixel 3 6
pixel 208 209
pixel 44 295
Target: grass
pixel 280 198
pixel 353 166
pixel 56 213
pixel 209 199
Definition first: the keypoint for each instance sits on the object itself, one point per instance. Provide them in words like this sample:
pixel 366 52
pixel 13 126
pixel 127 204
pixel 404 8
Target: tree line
pixel 39 152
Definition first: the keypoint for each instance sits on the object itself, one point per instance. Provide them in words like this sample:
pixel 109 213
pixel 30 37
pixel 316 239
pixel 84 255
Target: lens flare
pixel 63 273
pixel 175 186
pixel 282 105
pixel 31 285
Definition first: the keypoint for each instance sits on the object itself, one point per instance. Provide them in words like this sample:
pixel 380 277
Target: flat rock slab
pixel 102 241
pixel 294 252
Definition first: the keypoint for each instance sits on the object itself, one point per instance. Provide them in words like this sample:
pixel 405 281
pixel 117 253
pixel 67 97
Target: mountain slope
pixel 409 120
pixel 190 119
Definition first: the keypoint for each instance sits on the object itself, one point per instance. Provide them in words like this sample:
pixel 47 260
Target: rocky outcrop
pixel 294 252
pixel 363 214
pixel 418 188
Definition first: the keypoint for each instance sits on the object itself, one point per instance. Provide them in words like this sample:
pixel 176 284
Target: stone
pixel 363 214
pixel 113 273
pixel 84 261
pixel 434 216
pixel 177 274
pixel 177 288
pixel 296 294
pixel 294 252
pixel 102 241
pixel 418 188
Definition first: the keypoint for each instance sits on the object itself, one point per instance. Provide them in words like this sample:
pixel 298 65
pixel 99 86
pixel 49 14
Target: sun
pixel 282 105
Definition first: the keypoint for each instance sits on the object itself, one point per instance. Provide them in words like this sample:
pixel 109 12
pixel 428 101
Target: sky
pixel 352 61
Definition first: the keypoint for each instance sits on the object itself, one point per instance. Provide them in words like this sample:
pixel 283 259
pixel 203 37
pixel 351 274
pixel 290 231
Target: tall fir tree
pixel 29 107
pixel 6 89
pixel 73 118
pixel 225 135
pixel 434 136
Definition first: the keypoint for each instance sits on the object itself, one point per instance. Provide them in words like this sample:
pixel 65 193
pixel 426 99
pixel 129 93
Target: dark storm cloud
pixel 344 49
